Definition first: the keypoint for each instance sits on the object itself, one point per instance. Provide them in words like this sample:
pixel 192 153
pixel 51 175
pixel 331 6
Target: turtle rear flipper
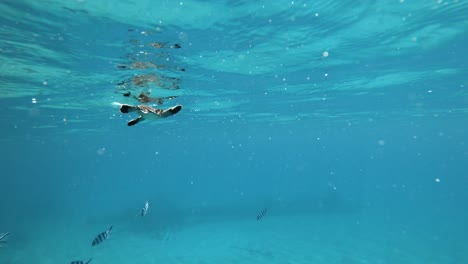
pixel 135 121
pixel 171 111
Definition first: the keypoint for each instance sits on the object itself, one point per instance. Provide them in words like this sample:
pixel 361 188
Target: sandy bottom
pixel 275 239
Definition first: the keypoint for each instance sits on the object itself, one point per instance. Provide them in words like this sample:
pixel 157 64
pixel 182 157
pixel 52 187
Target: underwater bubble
pixel 101 151
pixel 183 36
pixel 325 54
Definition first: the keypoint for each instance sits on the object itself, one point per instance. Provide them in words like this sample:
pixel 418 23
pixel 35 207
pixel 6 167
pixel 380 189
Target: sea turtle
pixel 147 112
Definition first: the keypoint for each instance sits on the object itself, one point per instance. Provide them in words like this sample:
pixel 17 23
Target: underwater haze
pixel 327 132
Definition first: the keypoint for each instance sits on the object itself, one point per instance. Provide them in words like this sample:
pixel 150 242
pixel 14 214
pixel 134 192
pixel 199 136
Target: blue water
pixel 348 121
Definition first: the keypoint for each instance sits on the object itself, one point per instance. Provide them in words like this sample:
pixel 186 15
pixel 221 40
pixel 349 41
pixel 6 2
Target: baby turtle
pixel 147 112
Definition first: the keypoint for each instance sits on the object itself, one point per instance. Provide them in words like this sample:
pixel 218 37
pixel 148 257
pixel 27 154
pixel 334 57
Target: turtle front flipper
pixel 125 108
pixel 171 111
pixel 135 121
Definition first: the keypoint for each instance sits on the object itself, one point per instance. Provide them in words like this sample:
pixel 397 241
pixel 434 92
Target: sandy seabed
pixel 293 239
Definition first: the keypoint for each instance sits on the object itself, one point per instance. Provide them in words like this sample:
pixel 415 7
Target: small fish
pixel 101 237
pixel 81 262
pixel 262 214
pixel 145 208
pixel 3 238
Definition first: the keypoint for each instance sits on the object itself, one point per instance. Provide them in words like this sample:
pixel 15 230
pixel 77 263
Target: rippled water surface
pixel 347 120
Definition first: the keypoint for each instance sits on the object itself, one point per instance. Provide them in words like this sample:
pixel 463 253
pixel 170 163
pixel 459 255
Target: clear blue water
pixel 348 121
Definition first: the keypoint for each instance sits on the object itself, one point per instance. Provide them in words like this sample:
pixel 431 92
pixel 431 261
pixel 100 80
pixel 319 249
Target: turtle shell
pixel 145 109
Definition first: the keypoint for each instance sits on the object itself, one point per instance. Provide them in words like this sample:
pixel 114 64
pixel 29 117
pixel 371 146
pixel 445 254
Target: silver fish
pixel 145 208
pixel 3 238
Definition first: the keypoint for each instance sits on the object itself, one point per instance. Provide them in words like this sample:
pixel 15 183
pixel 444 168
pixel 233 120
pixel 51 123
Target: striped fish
pixel 262 214
pixel 145 208
pixel 101 237
pixel 81 262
